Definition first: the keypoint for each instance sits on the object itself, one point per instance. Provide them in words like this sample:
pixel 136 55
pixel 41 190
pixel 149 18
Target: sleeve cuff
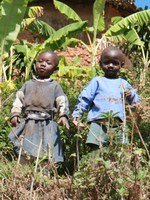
pixel 15 115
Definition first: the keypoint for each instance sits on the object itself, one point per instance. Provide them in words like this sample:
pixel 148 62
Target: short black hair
pixel 113 48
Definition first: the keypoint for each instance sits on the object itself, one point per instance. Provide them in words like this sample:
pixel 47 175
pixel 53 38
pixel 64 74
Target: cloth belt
pixel 35 115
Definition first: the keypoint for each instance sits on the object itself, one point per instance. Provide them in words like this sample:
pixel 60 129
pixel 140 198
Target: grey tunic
pixel 39 101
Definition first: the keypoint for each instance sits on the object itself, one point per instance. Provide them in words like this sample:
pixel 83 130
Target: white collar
pixel 42 80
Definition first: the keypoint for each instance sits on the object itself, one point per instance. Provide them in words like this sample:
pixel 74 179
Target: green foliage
pixel 98 17
pixel 67 11
pixel 8 91
pixel 26 54
pixel 113 173
pixel 110 173
pixel 98 24
pixel 63 35
pixel 10 20
pixel 42 28
pixel 124 29
pixel 31 14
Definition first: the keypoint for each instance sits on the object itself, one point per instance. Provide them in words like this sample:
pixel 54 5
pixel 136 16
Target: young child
pixel 38 101
pixel 105 95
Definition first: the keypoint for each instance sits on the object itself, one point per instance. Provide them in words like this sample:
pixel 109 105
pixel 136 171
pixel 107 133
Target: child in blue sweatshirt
pixel 105 95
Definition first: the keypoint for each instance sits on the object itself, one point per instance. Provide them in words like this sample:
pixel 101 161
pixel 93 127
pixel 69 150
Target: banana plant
pixel 124 28
pixel 64 37
pixel 30 14
pixel 29 53
pixel 11 15
pixel 59 39
pixel 98 24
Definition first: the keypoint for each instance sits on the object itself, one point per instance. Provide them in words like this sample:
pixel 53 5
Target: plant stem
pixel 136 126
pixel 11 66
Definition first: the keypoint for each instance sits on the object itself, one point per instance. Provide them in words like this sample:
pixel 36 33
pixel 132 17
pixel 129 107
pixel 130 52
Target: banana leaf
pixel 35 11
pixel 57 40
pixel 98 15
pixel 31 15
pixel 11 15
pixel 42 28
pixel 124 29
pixel 67 11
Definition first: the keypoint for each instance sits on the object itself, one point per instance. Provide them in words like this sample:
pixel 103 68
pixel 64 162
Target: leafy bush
pixel 113 173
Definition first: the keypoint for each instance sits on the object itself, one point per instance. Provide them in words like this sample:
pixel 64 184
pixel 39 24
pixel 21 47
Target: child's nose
pixel 110 64
pixel 44 63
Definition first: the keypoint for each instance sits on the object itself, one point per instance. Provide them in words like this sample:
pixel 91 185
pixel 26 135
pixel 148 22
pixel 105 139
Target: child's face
pixel 111 62
pixel 46 64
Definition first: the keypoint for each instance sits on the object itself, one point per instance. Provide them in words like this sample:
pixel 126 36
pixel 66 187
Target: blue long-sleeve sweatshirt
pixel 103 95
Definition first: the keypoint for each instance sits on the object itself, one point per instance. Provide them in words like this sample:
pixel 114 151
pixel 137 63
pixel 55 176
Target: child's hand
pixel 127 93
pixel 63 120
pixel 14 121
pixel 76 121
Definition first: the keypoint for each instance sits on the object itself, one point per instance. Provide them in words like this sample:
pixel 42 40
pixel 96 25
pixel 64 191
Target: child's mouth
pixel 41 69
pixel 110 70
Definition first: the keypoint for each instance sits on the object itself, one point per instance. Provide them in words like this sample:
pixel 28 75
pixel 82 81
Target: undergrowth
pixel 108 173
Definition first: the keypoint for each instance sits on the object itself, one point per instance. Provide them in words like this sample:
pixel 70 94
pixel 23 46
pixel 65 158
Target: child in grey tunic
pixel 38 101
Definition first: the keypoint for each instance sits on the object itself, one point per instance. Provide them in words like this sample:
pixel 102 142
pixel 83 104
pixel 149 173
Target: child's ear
pixel 122 64
pixel 100 63
pixel 34 68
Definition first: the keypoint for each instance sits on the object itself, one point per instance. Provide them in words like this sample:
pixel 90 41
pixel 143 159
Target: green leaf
pixel 11 15
pixel 116 19
pixel 70 42
pixel 73 155
pixel 98 15
pixel 42 28
pixel 26 22
pixel 59 37
pixel 122 191
pixel 107 164
pixel 139 151
pixel 124 29
pixel 35 11
pixel 67 11
pixel 133 37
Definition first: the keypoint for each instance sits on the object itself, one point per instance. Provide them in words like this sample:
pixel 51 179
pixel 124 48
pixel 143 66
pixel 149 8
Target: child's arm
pixel 62 105
pixel 130 94
pixel 17 108
pixel 85 100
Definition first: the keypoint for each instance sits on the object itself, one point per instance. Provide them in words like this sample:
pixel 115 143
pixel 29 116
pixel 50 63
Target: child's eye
pixel 40 60
pixel 108 62
pixel 47 62
pixel 116 63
